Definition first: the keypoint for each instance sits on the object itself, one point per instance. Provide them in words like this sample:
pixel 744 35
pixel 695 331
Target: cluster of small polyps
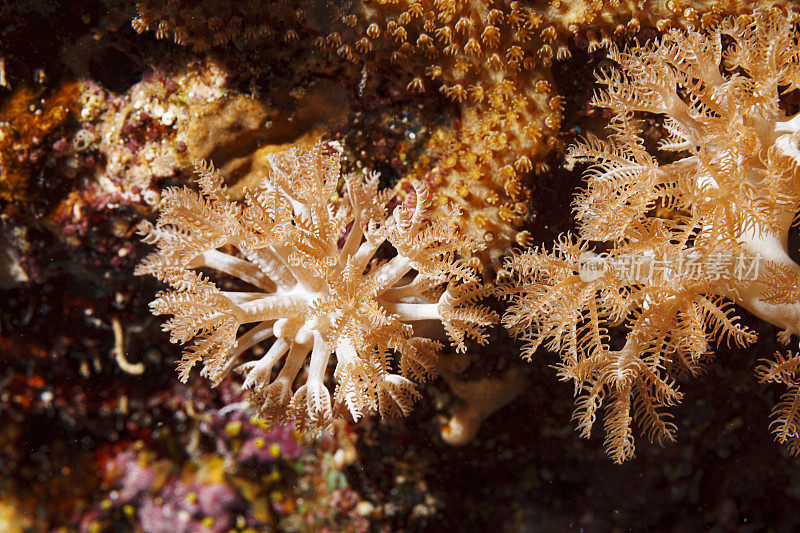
pixel 324 281
pixel 202 24
pixel 727 200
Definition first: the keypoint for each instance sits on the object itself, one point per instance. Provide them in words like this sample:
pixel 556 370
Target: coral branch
pixel 681 240
pixel 314 298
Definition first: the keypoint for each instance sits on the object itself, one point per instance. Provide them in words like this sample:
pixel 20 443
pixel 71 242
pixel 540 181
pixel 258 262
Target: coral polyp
pixel 323 289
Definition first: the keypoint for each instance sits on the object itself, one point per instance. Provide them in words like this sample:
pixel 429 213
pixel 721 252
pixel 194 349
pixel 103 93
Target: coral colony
pixel 321 289
pixel 329 273
pixel 329 205
pixel 682 240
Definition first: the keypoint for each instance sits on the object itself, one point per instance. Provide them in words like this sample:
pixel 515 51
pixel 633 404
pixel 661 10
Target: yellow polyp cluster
pixel 480 55
pixel 497 144
pixel 202 25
